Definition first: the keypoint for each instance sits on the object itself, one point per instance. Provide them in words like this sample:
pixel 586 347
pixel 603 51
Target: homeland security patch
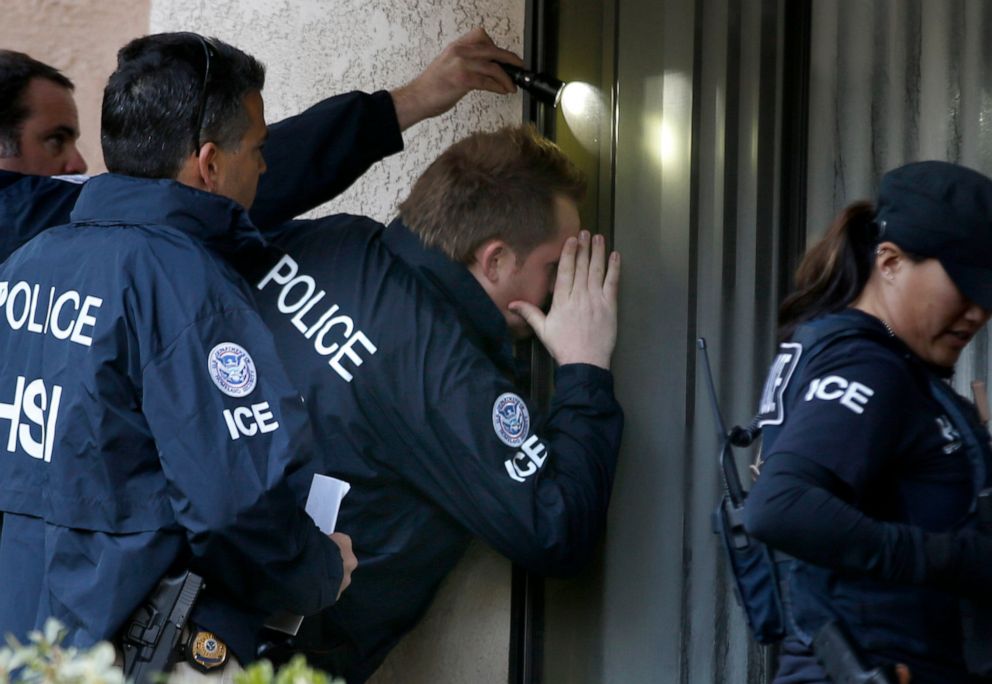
pixel 771 411
pixel 232 369
pixel 511 420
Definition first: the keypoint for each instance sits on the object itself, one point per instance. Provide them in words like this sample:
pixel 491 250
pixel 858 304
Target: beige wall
pixel 465 636
pixel 81 38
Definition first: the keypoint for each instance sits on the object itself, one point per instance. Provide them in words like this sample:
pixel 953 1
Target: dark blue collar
pixel 209 218
pixel 9 178
pixel 453 282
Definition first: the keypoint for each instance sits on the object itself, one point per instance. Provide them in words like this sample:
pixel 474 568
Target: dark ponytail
pixel 834 270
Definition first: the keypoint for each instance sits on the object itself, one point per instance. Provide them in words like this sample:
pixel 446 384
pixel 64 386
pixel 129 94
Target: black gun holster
pixel 151 637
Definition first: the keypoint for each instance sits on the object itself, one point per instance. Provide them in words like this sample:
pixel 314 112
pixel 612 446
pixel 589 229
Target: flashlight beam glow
pixel 584 110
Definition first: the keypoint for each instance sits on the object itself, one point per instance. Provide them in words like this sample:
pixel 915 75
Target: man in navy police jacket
pixel 401 338
pixel 130 350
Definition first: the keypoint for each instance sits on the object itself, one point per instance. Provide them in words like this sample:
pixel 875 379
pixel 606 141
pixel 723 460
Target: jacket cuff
pixel 383 111
pixel 583 374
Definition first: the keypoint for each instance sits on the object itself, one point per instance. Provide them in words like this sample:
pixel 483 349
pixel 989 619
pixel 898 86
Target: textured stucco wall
pixel 465 635
pixel 316 48
pixel 81 38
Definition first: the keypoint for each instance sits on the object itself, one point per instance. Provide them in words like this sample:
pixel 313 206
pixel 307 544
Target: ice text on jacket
pixel 333 333
pixel 36 435
pixel 250 420
pixel 64 315
pixel 852 395
pixel 528 460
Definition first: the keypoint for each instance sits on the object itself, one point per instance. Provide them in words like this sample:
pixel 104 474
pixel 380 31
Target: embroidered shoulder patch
pixel 511 420
pixel 771 410
pixel 232 369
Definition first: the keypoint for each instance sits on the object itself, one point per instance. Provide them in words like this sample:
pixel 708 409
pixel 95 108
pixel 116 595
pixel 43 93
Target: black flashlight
pixel 546 89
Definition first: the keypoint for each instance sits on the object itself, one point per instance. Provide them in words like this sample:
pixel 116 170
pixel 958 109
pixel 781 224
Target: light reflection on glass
pixel 584 110
pixel 667 120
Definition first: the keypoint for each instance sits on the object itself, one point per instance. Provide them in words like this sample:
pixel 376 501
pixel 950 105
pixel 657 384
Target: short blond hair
pixel 492 185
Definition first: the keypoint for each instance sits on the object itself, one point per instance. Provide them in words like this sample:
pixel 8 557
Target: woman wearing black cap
pixel 870 463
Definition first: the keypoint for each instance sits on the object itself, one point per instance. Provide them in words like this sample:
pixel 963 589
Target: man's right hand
pixel 581 326
pixel 468 63
pixel 348 560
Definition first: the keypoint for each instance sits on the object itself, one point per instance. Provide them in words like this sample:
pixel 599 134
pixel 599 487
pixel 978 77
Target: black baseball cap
pixel 942 210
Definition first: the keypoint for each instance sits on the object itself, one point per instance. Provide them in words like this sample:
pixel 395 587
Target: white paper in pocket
pixel 324 501
pixel 323 504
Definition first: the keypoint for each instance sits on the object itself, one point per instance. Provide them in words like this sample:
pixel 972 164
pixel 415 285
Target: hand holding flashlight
pixel 469 63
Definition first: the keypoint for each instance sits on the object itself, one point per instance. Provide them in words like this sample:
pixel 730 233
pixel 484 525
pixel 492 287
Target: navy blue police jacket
pixel 861 460
pixel 409 377
pixel 149 424
pixel 311 157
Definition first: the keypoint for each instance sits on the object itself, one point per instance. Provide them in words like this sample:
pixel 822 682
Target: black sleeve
pixel 314 156
pixel 793 507
pixel 535 488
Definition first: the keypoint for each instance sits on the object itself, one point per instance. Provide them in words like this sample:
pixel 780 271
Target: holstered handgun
pixel 150 639
pixel 842 660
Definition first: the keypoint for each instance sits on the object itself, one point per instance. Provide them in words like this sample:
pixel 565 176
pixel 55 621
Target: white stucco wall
pixel 316 48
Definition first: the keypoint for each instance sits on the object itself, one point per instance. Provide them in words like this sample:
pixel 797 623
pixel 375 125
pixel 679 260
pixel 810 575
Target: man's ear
pixel 208 166
pixel 201 171
pixel 490 257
